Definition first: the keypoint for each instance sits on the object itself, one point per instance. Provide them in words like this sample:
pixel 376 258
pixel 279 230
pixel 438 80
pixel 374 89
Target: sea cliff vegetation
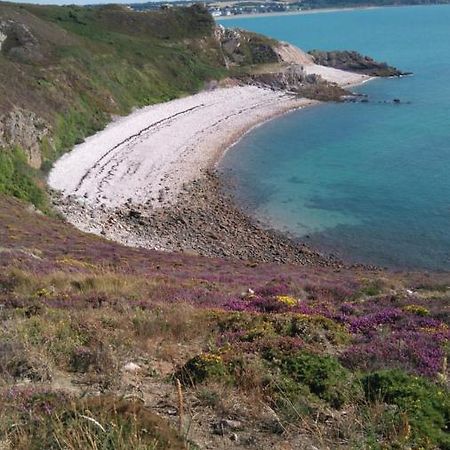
pixel 94 337
pixel 104 346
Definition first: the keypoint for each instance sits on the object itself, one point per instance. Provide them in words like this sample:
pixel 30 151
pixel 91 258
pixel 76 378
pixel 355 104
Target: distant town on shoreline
pixel 250 7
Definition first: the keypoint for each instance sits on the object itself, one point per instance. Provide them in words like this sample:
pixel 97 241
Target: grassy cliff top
pixel 60 59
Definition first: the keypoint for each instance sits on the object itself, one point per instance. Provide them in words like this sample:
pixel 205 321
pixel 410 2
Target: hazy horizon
pixel 78 2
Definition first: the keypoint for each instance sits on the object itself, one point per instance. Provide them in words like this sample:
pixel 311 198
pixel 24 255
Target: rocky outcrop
pixel 26 130
pixel 3 37
pixel 242 47
pixel 295 79
pixel 355 62
pixel 290 79
pixel 18 42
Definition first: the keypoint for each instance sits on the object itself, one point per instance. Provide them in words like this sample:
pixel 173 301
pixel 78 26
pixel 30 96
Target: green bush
pixel 426 405
pixel 205 366
pixel 324 376
pixel 291 399
pixel 18 179
pixel 371 288
pixel 317 329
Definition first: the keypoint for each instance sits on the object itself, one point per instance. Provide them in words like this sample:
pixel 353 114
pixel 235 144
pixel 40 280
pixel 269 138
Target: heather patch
pixel 280 350
pixel 412 351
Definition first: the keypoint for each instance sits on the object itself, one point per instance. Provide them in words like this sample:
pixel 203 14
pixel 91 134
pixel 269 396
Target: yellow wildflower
pixel 416 309
pixel 287 300
pixel 211 358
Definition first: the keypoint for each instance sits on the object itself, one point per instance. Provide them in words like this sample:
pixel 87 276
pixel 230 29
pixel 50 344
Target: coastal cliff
pixel 66 71
pixel 261 344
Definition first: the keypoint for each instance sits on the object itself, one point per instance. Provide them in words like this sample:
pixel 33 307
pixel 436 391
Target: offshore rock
pixel 355 62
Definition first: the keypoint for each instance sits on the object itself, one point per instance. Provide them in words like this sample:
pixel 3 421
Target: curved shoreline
pixel 157 149
pixel 308 12
pixel 146 180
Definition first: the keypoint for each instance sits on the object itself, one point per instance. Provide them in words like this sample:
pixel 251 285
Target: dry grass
pixel 94 424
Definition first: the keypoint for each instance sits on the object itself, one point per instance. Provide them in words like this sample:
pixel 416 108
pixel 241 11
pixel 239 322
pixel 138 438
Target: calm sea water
pixel 369 182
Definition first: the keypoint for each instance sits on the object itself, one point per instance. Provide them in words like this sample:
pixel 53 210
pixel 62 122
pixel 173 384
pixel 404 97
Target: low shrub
pixel 206 366
pixel 84 359
pixel 317 329
pixel 18 179
pixel 324 376
pixel 292 400
pixel 416 309
pixel 17 364
pixel 414 352
pixel 425 405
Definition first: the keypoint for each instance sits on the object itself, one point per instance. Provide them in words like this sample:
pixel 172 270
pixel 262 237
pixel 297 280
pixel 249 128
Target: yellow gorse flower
pixel 287 300
pixel 210 357
pixel 416 309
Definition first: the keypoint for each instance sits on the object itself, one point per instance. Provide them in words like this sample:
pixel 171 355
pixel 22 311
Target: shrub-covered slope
pixel 266 354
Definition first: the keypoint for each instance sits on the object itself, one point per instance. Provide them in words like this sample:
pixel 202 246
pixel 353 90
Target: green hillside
pixel 65 70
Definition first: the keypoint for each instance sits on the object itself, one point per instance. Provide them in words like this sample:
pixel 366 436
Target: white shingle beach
pixel 148 155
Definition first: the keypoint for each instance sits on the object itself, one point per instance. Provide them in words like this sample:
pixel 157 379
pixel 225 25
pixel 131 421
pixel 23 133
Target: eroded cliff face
pixel 24 129
pixel 18 42
pixel 241 47
pixel 3 37
pixel 290 54
pixel 18 126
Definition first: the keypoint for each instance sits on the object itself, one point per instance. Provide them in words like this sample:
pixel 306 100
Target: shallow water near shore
pixel 369 182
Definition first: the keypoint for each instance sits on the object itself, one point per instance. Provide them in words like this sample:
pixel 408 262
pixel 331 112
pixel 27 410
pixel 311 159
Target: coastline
pixel 302 12
pixel 148 156
pixel 308 12
pixel 155 186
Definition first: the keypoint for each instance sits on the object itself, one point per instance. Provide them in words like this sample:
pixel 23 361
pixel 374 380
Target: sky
pixel 77 2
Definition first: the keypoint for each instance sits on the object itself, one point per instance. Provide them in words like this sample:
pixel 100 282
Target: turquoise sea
pixel 369 182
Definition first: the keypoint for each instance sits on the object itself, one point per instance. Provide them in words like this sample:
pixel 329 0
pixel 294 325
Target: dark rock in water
pixel 396 100
pixel 355 62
